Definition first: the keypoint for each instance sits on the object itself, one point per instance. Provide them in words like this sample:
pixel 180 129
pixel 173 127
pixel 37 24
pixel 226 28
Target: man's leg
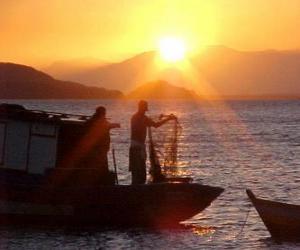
pixel 137 166
pixel 138 175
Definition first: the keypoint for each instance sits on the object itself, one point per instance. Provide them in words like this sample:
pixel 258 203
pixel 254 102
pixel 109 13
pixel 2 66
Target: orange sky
pixel 39 32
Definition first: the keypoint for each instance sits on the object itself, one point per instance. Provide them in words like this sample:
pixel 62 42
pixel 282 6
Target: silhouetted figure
pixel 137 151
pixel 98 139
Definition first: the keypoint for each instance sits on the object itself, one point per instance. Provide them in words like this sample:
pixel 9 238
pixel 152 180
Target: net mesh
pixel 163 148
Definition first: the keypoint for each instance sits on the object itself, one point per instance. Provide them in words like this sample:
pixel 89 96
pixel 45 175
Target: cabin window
pixel 17 145
pixel 43 130
pixel 42 152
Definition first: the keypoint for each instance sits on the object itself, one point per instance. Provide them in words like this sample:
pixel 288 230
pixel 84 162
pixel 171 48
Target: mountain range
pixel 123 75
pixel 226 72
pixel 68 69
pixel 24 82
pixel 217 72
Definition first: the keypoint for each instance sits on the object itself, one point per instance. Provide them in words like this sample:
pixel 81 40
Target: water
pixel 234 145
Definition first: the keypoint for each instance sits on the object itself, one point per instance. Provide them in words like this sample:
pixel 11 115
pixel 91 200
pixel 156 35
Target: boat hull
pixel 282 220
pixel 155 205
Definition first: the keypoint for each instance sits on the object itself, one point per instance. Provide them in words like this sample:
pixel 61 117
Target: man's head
pixel 100 111
pixel 143 106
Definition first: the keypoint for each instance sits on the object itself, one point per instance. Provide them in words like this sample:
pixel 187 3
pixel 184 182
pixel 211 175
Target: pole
pixel 115 165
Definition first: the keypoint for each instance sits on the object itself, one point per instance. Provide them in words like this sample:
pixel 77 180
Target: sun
pixel 172 49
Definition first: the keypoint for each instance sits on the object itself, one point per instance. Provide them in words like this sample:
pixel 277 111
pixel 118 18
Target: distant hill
pixel 69 69
pixel 161 90
pixel 228 72
pixel 122 76
pixel 20 81
pixel 267 73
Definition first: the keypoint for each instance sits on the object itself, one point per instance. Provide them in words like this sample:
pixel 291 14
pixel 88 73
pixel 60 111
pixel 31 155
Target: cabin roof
pixel 18 112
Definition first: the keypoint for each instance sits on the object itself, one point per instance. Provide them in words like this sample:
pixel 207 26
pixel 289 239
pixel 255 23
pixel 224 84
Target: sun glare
pixel 172 49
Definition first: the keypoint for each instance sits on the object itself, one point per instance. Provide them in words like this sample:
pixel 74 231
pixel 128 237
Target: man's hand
pixel 172 117
pixel 164 120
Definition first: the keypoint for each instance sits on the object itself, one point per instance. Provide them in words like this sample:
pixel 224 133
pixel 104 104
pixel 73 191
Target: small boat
pixel 39 186
pixel 281 219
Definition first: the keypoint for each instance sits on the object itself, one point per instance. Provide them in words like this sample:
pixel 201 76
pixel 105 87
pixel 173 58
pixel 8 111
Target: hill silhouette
pixel 123 75
pixel 161 90
pixel 264 73
pixel 69 69
pixel 20 81
pixel 227 71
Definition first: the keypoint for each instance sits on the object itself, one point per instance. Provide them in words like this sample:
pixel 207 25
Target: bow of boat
pixel 281 219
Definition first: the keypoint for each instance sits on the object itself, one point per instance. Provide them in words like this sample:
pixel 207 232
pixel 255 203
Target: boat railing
pixel 60 115
pixel 7 109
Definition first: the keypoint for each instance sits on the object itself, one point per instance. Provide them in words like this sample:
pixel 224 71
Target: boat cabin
pixel 35 141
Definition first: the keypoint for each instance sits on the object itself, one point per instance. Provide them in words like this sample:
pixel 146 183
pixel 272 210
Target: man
pixel 137 151
pixel 98 139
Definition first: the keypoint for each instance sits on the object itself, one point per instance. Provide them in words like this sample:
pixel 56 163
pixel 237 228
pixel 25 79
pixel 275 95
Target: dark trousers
pixel 137 165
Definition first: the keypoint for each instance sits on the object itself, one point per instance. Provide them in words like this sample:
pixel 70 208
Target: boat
pixel 151 205
pixel 41 184
pixel 281 219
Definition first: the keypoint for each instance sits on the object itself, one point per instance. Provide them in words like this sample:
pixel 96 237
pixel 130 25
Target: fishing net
pixel 163 149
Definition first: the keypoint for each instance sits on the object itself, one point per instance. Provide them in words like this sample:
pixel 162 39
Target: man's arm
pixel 163 121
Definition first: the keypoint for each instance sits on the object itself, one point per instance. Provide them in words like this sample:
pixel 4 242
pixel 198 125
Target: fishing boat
pixel 281 219
pixel 40 183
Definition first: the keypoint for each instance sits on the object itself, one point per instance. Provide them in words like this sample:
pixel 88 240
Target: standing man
pixel 137 151
pixel 98 139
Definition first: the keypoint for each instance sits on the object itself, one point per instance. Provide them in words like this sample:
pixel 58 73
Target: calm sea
pixel 234 145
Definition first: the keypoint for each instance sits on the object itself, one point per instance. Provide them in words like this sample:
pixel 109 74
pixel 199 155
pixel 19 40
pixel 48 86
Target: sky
pixel 40 32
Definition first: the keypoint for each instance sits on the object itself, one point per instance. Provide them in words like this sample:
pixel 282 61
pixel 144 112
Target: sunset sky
pixel 39 32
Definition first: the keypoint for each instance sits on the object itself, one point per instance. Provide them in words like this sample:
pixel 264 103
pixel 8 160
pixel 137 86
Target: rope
pixel 244 222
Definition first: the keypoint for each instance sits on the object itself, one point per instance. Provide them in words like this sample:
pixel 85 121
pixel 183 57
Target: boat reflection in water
pixel 37 188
